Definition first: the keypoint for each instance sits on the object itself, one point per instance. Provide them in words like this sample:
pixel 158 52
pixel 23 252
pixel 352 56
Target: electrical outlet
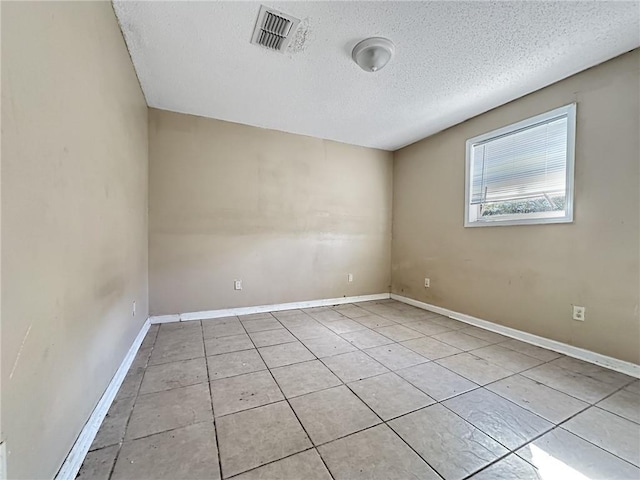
pixel 578 313
pixel 237 284
pixel 427 283
pixel 133 310
pixel 350 277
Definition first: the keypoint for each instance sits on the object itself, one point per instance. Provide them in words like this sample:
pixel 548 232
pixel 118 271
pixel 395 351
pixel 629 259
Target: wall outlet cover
pixel 578 313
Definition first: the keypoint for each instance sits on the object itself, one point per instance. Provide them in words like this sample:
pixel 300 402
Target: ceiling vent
pixel 274 29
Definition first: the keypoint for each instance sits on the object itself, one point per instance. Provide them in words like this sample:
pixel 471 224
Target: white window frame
pixel 471 218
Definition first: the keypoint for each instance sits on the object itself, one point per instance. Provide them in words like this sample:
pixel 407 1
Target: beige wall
pixel 527 277
pixel 289 215
pixel 74 213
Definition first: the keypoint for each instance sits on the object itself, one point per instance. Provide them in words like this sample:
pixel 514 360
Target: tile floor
pixel 377 390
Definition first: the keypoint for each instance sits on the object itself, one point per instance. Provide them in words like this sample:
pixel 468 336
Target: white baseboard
pixel 231 312
pixel 3 461
pixel 76 456
pixel 621 366
pixel 164 319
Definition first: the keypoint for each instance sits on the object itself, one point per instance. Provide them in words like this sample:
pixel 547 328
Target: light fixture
pixel 373 53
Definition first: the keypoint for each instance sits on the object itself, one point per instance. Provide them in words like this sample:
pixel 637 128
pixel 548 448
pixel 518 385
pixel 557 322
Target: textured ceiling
pixel 454 60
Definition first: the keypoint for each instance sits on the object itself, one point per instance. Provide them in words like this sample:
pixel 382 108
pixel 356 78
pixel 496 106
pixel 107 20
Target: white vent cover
pixel 274 29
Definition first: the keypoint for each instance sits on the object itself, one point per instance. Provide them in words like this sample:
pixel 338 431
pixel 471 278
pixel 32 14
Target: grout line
pixel 428 360
pixel 251 408
pixel 385 423
pixel 172 429
pixel 289 403
pixel 590 442
pixel 594 405
pixel 213 414
pixel 284 398
pixel 558 426
pixel 597 405
pixel 440 402
pixel 595 445
pixel 614 413
pixel 554 425
pixel 495 381
pixel 589 403
pixel 236 475
pixel 513 373
pixel 414 450
pixel 141 395
pixel 509 450
pixel 133 405
pixel 316 358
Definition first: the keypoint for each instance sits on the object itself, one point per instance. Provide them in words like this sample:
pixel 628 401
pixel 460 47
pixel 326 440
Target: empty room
pixel 348 240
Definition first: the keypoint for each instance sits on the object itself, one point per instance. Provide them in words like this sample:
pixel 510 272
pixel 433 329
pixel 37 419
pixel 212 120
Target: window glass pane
pixel 547 203
pixel 527 164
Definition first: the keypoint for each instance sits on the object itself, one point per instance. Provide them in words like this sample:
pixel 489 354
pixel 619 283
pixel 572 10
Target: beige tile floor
pixel 377 390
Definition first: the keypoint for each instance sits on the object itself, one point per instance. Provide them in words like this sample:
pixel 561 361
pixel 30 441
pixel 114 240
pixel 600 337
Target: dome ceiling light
pixel 373 53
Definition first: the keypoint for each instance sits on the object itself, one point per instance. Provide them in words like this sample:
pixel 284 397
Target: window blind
pixel 523 164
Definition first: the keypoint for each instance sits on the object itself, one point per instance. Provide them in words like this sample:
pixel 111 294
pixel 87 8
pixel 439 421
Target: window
pixel 523 173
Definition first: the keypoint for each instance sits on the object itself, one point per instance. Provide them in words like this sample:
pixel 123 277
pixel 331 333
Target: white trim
pixel 3 461
pixel 621 366
pixel 529 218
pixel 76 456
pixel 164 319
pixel 231 312
pixel 78 452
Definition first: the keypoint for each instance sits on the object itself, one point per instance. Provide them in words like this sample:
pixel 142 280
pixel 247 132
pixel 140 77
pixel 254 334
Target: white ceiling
pixel 454 60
